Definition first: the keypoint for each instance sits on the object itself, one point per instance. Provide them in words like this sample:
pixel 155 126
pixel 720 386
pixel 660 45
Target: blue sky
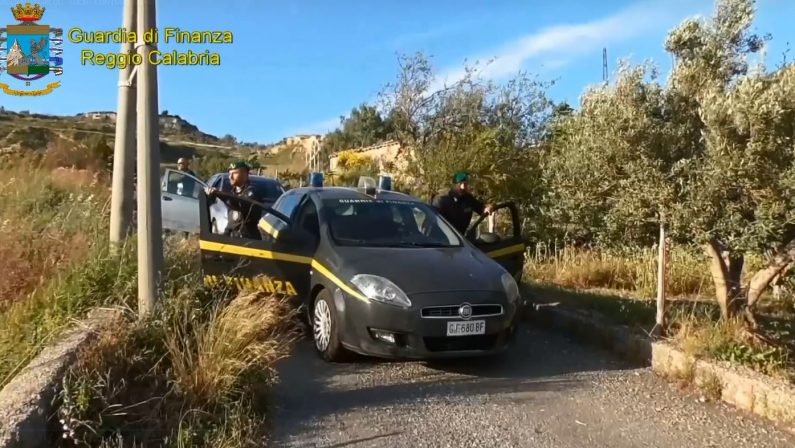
pixel 296 66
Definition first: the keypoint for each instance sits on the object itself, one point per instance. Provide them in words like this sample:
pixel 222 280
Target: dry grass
pixel 53 230
pixel 48 222
pixel 630 270
pixel 619 285
pixel 194 376
pixel 208 358
pixel 730 340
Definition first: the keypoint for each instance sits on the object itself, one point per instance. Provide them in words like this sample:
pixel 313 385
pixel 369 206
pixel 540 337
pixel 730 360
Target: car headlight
pixel 381 290
pixel 510 287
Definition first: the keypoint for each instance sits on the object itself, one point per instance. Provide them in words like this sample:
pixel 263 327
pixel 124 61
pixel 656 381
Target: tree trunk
pixel 720 277
pixel 779 279
pixel 762 279
pixel 734 280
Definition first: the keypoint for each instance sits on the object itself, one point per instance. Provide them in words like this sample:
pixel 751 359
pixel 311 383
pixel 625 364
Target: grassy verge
pixel 620 285
pixel 195 375
pixel 53 242
pixel 49 222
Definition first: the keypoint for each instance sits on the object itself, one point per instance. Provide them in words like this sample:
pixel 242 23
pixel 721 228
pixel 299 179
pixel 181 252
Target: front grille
pixel 451 311
pixel 459 343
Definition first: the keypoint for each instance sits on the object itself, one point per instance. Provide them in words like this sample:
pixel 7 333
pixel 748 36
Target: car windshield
pixel 387 223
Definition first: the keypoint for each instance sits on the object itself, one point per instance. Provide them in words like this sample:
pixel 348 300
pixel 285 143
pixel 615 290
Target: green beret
pixel 239 164
pixel 461 176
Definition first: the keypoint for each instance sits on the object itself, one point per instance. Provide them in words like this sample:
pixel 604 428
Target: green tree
pixel 740 195
pixel 491 130
pixel 711 153
pixel 364 126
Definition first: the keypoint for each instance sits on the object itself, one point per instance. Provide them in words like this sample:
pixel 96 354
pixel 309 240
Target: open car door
pixel 278 265
pixel 179 201
pixel 503 243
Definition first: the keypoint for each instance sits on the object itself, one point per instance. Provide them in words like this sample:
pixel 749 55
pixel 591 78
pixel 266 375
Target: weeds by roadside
pixel 619 285
pixel 729 340
pixel 49 222
pixel 632 270
pixel 193 376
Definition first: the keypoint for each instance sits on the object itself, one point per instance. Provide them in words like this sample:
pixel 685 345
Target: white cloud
pixel 559 43
pixel 318 127
pixel 557 46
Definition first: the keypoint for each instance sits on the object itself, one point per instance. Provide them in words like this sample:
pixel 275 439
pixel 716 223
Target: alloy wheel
pixel 322 325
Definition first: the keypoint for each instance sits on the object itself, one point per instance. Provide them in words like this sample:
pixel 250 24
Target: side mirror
pixel 279 230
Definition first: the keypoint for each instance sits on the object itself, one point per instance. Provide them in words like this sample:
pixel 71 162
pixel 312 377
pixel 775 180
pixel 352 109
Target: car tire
pixel 325 328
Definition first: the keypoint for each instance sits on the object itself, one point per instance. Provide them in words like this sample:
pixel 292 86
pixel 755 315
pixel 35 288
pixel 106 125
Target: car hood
pixel 422 270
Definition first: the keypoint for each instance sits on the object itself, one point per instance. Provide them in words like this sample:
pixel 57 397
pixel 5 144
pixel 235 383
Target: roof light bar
pixel 316 179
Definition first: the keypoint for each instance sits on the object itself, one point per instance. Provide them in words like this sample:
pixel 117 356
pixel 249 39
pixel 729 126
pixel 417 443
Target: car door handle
pixel 167 198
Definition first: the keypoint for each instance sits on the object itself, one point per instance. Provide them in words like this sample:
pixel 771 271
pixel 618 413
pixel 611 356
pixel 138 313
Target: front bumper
pixel 418 337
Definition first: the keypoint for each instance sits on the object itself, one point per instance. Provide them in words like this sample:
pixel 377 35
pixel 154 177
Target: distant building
pixel 98 115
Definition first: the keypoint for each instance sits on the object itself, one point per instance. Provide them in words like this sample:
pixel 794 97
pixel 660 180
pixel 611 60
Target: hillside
pixel 22 132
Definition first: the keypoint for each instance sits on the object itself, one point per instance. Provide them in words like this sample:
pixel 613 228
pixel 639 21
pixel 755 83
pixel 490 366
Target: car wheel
pixel 325 328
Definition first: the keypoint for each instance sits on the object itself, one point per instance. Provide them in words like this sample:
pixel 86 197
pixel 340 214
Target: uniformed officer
pixel 242 216
pixel 183 164
pixel 458 204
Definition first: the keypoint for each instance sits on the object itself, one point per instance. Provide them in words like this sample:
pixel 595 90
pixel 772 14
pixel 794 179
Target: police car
pixel 379 272
pixel 179 200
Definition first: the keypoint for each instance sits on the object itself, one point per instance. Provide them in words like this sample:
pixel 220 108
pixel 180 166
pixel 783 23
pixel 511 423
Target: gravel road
pixel 547 391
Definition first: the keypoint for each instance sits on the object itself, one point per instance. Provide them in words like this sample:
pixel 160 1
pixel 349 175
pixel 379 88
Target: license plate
pixel 466 328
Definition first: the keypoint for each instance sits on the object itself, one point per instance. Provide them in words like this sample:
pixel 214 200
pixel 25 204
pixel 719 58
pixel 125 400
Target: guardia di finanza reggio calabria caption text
pixel 169 35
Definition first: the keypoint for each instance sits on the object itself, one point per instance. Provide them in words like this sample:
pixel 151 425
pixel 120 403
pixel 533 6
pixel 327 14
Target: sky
pixel 297 66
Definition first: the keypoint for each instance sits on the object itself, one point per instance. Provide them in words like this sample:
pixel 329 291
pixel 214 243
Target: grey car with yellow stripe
pixel 379 272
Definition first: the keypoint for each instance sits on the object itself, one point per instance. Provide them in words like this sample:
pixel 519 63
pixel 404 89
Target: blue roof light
pixel 316 179
pixel 385 183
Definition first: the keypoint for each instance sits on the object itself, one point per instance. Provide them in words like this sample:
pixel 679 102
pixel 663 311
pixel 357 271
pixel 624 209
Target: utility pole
pixel 662 265
pixel 604 65
pixel 150 242
pixel 121 201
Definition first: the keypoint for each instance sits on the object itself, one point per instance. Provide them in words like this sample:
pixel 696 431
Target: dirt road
pixel 546 392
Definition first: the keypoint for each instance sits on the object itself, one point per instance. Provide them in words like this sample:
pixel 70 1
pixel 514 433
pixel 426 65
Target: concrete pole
pixel 121 201
pixel 150 242
pixel 662 263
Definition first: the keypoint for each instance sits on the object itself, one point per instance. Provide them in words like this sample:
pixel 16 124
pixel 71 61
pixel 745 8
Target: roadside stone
pixel 27 401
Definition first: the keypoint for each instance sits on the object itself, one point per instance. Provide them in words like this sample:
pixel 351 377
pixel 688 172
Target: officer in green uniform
pixel 458 204
pixel 243 215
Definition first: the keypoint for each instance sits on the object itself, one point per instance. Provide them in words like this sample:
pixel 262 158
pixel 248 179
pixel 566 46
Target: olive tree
pixel 613 167
pixel 711 152
pixel 491 130
pixel 740 196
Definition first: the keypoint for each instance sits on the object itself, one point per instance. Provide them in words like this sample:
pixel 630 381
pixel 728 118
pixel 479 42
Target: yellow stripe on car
pixel 251 252
pixel 270 255
pixel 268 228
pixel 506 250
pixel 336 280
pixel 324 271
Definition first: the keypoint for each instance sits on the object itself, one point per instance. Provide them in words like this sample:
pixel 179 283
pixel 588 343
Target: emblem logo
pixel 465 311
pixel 29 51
